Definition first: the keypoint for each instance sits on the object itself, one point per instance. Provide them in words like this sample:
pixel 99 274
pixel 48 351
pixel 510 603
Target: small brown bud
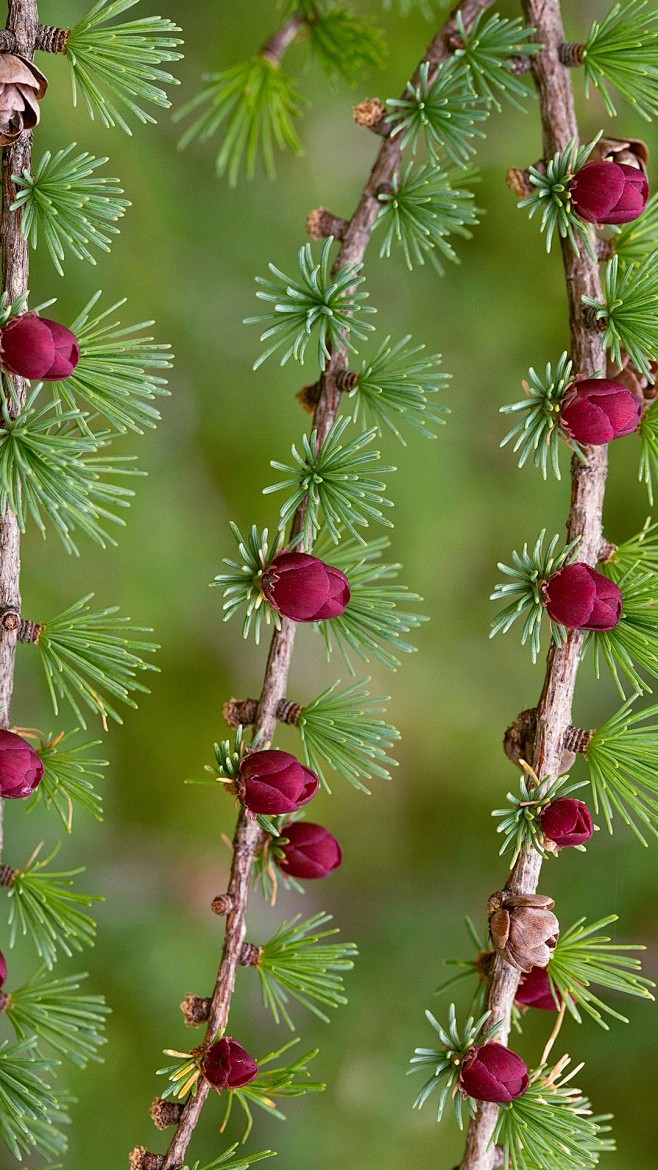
pixel 165 1113
pixel 141 1159
pixel 371 114
pixel 11 619
pixel 238 712
pixel 320 224
pixel 523 929
pixel 518 181
pixel 51 39
pixel 30 631
pixel 309 396
pixel 222 904
pixel 519 739
pixel 7 875
pixel 196 1010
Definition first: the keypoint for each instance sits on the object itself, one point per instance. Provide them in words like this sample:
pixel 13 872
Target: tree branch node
pixel 371 114
pixel 51 39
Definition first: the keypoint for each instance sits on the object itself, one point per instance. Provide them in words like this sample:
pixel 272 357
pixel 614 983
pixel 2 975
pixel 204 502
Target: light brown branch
pixel 585 520
pixel 22 21
pixel 249 836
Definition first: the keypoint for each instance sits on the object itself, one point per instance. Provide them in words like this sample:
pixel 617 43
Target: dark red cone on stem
pixel 34 347
pixel 609 192
pixel 304 588
pixel 534 990
pixel 597 410
pixel 274 783
pixel 567 822
pixel 492 1072
pixel 581 599
pixel 226 1065
pixel 310 852
pixel 21 768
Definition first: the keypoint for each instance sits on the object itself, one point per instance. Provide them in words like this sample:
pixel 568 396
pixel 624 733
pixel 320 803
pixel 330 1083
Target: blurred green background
pixel 421 852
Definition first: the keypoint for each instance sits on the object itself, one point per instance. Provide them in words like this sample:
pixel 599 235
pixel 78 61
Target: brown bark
pixel 23 22
pixel 249 836
pixel 585 520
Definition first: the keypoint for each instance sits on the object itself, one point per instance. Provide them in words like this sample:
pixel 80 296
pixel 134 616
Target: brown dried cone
pixel 22 86
pixel 523 930
pixel 633 152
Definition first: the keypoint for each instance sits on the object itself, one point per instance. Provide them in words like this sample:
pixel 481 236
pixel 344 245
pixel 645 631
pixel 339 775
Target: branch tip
pixel 51 39
pixel 571 54
pixel 30 631
pixel 250 955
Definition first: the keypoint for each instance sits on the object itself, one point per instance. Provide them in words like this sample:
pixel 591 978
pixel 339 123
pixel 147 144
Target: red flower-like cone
pixel 273 783
pixel 608 192
pixel 3 969
pixel 596 411
pixel 581 599
pixel 492 1072
pixel 311 851
pixel 567 822
pixel 226 1065
pixel 304 589
pixel 21 768
pixel 34 347
pixel 535 991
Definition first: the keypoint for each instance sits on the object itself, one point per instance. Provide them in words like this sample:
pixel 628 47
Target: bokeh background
pixel 421 852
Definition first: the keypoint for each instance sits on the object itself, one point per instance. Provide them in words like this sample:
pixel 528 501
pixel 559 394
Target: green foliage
pixel 421 210
pixel 228 756
pixel 552 197
pixel 426 7
pixel 582 957
pixel 521 825
pixel 44 906
pixel 114 375
pixel 446 1061
pixel 622 50
pixel 629 311
pixel 241 585
pixel 649 450
pixel 373 625
pixel 340 729
pixel 284 1081
pixel 639 550
pixel 319 300
pixel 69 205
pixel 441 110
pixel 87 653
pixel 523 592
pixel 488 49
pixel 346 45
pixel 622 757
pixel 334 484
pixel 226 1161
pixel 633 643
pixel 68 777
pixel 28 1109
pixel 635 240
pixel 551 1125
pixel 117 68
pixel 258 102
pixel 51 1010
pixel 296 963
pixel 394 385
pixel 538 433
pixel 49 466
